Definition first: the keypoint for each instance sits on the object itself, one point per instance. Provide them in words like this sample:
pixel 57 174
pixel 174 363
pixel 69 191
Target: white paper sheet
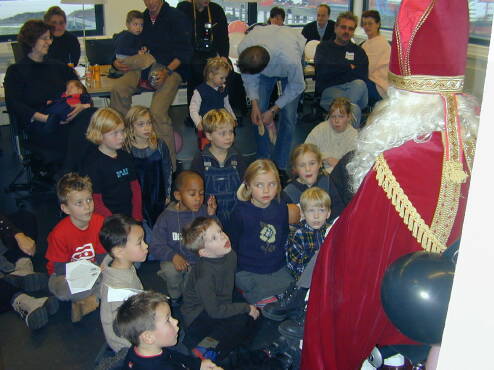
pixel 119 295
pixel 81 275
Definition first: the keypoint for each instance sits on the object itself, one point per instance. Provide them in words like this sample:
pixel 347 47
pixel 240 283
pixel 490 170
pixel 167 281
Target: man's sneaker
pixel 35 311
pixel 83 307
pixel 25 278
pixel 293 328
pixel 292 299
pixel 205 353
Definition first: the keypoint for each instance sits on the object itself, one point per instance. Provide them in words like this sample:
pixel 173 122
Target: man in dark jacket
pixel 342 66
pixel 207 42
pixel 167 35
pixel 323 28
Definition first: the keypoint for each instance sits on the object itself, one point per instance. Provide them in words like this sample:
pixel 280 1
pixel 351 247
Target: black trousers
pixel 230 332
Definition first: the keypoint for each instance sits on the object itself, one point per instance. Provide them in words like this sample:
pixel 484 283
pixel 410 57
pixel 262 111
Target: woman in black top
pixel 65 46
pixel 30 83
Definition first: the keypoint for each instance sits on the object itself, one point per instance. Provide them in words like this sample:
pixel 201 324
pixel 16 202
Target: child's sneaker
pixel 290 300
pixel 265 301
pixel 205 353
pixel 35 311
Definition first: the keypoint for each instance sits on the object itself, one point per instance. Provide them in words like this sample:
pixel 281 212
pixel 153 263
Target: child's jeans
pixel 256 287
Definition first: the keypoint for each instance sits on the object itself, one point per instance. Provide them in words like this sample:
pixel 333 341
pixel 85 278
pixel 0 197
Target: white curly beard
pixel 405 116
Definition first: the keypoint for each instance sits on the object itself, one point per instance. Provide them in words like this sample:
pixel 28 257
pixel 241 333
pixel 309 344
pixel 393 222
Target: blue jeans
pixel 355 91
pixel 280 152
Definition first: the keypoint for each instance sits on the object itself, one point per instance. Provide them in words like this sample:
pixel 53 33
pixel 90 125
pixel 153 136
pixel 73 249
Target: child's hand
pixel 212 205
pixel 254 312
pixel 330 161
pixel 180 263
pixel 209 365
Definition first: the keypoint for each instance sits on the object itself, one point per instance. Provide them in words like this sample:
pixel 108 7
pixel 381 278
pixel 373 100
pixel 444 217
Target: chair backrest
pixel 235 39
pixel 310 50
pixel 100 51
pixel 17 50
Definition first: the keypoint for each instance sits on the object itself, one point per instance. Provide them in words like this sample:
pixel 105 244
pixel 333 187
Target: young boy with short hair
pixel 166 245
pixel 74 238
pixel 145 320
pixel 220 165
pixel 130 49
pixel 123 239
pixel 308 235
pixel 208 309
pixel 302 247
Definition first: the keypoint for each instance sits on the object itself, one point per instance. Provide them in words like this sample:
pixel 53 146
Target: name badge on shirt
pixel 349 56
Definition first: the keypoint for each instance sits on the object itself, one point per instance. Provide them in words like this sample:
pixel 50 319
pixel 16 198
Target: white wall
pixel 116 11
pixel 467 340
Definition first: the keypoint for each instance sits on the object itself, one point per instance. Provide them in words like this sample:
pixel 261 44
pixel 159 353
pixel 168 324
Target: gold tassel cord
pixel 407 212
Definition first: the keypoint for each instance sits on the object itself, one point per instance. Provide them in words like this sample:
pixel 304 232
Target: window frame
pixel 100 23
pixel 252 13
pixel 471 40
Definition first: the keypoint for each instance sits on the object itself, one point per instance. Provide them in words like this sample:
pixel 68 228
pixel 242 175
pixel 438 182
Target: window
pixel 300 12
pixel 481 12
pixel 15 12
pixel 234 10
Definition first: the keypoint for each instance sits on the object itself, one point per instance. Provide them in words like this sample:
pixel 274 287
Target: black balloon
pixel 415 294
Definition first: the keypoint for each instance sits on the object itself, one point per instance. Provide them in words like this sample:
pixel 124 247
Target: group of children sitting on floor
pixel 220 226
pixel 227 226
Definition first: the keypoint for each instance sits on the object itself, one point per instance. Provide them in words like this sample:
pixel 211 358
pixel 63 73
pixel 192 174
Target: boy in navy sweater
pixel 166 245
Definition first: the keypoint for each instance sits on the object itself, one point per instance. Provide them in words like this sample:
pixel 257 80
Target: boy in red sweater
pixel 75 238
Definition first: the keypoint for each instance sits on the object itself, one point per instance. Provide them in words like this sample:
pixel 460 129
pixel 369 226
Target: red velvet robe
pixel 345 319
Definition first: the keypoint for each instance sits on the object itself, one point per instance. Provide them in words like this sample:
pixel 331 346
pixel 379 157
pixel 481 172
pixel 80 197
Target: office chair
pixel 38 164
pixel 17 50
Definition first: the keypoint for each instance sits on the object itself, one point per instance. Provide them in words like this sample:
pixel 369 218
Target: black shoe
pixel 290 300
pixel 293 328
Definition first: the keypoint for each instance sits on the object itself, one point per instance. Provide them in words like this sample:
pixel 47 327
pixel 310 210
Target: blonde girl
pixel 111 169
pixel 307 169
pixel 258 230
pixel 152 162
pixel 336 136
pixel 211 94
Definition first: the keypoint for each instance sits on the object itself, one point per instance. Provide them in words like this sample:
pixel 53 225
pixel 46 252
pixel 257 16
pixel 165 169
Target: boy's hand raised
pixel 254 312
pixel 212 205
pixel 180 263
pixel 209 365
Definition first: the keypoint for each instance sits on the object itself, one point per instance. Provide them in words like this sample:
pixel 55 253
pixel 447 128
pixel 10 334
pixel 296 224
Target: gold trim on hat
pixel 429 84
